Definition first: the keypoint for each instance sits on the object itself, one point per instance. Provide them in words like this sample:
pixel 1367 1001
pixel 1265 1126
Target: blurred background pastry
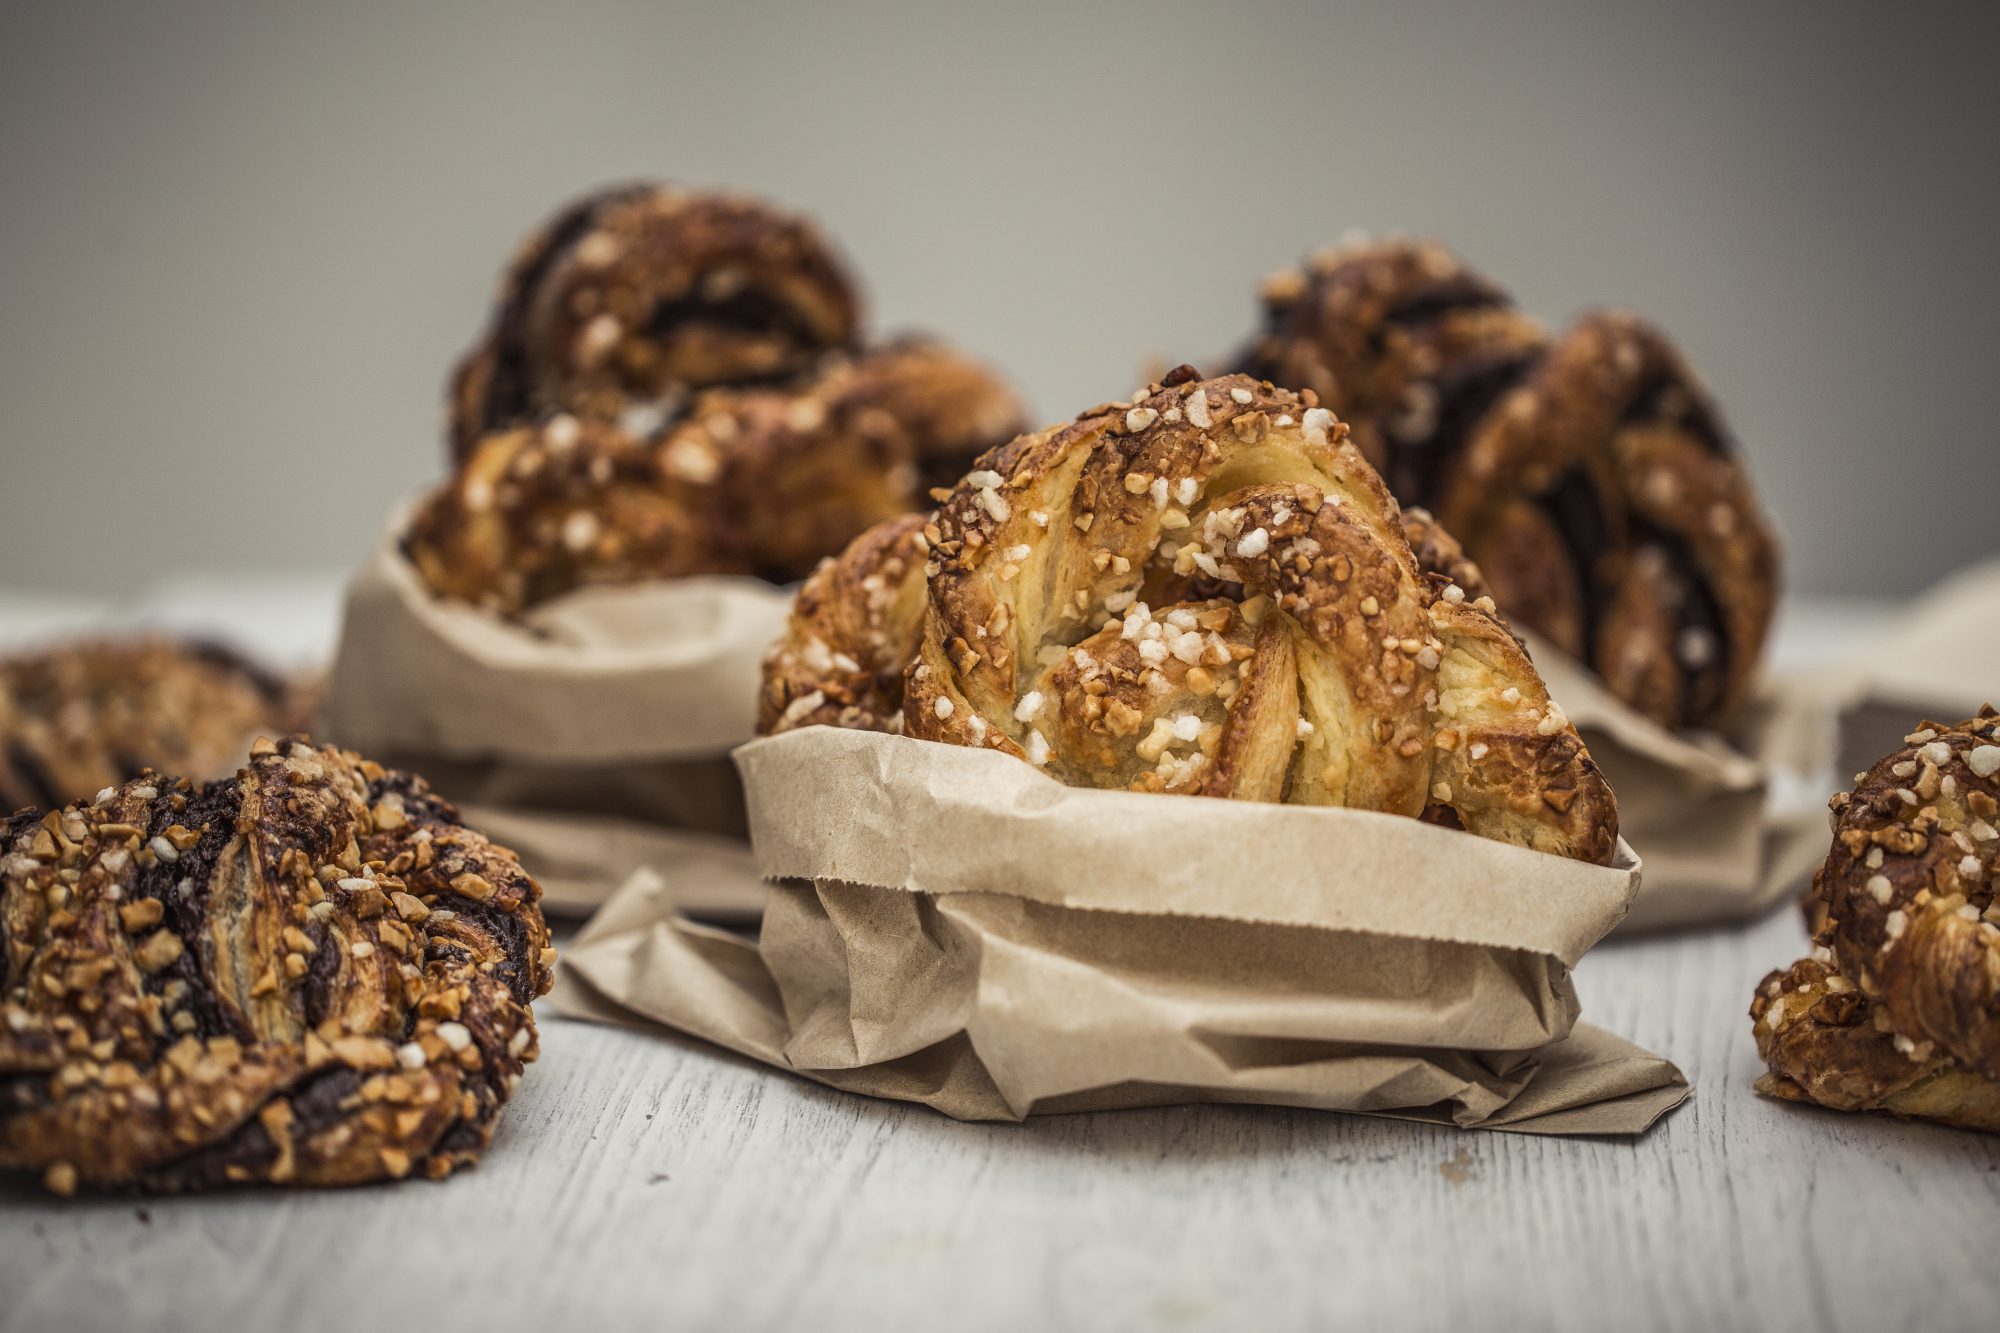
pixel 631 296
pixel 80 715
pixel 676 383
pixel 1588 473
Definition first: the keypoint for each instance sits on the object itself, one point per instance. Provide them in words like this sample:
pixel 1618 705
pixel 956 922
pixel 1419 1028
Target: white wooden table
pixel 645 1181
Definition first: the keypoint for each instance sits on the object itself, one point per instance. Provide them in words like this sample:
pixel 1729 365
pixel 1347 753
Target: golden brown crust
pixel 1589 474
pixel 1827 1043
pixel 851 635
pixel 803 469
pixel 1372 328
pixel 855 626
pixel 1206 589
pixel 537 511
pixel 633 295
pixel 308 974
pixel 760 480
pixel 1439 554
pixel 79 716
pixel 1908 886
pixel 1899 1009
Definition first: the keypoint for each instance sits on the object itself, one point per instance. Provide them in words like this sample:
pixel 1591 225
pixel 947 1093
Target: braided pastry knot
pixel 762 479
pixel 309 974
pixel 1205 590
pixel 632 295
pixel 1899 1009
pixel 1588 474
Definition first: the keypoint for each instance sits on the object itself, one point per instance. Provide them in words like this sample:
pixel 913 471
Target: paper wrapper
pixel 1941 659
pixel 592 736
pixel 949 926
pixel 1728 826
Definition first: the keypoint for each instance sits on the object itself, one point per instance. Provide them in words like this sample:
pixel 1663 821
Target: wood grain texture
pixel 642 1181
pixel 652 1180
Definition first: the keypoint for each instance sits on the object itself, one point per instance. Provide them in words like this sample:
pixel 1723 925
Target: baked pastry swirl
pixel 635 294
pixel 1589 473
pixel 81 715
pixel 856 623
pixel 1899 1008
pixel 851 636
pixel 1203 590
pixel 309 974
pixel 762 479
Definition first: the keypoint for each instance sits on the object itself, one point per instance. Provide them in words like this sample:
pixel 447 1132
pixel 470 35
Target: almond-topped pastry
pixel 1589 473
pixel 311 973
pixel 851 636
pixel 855 625
pixel 1206 590
pixel 760 480
pixel 634 295
pixel 1899 1008
pixel 81 715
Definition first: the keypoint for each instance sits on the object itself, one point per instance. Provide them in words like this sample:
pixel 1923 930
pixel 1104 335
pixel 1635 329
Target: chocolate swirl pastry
pixel 760 480
pixel 1899 1007
pixel 308 974
pixel 1588 473
pixel 78 716
pixel 1202 590
pixel 633 295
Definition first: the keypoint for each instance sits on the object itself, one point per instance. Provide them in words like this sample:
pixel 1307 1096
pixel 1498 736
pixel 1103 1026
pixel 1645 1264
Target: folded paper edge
pixel 1658 1085
pixel 386 584
pixel 793 841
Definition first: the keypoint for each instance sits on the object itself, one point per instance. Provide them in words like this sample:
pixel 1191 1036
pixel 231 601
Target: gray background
pixel 241 247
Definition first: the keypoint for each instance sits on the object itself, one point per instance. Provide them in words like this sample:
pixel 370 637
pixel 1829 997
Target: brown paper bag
pixel 1940 659
pixel 1728 826
pixel 952 927
pixel 592 736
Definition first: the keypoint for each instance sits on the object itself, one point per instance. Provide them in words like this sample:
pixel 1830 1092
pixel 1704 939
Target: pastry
pixel 78 716
pixel 1207 590
pixel 761 480
pixel 536 511
pixel 851 636
pixel 308 974
pixel 854 627
pixel 1588 473
pixel 1899 1008
pixel 631 296
pixel 802 469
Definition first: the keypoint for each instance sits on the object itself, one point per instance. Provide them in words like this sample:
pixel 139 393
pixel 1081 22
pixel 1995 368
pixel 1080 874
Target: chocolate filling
pixel 36 786
pixel 212 810
pixel 316 988
pixel 317 1101
pixel 746 310
pixel 267 683
pixel 1466 390
pixel 1699 612
pixel 1444 297
pixel 1692 415
pixel 509 393
pixel 512 935
pixel 463 1136
pixel 1574 508
pixel 420 806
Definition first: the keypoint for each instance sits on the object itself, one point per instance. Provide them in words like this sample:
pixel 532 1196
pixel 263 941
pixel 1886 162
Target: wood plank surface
pixel 647 1181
